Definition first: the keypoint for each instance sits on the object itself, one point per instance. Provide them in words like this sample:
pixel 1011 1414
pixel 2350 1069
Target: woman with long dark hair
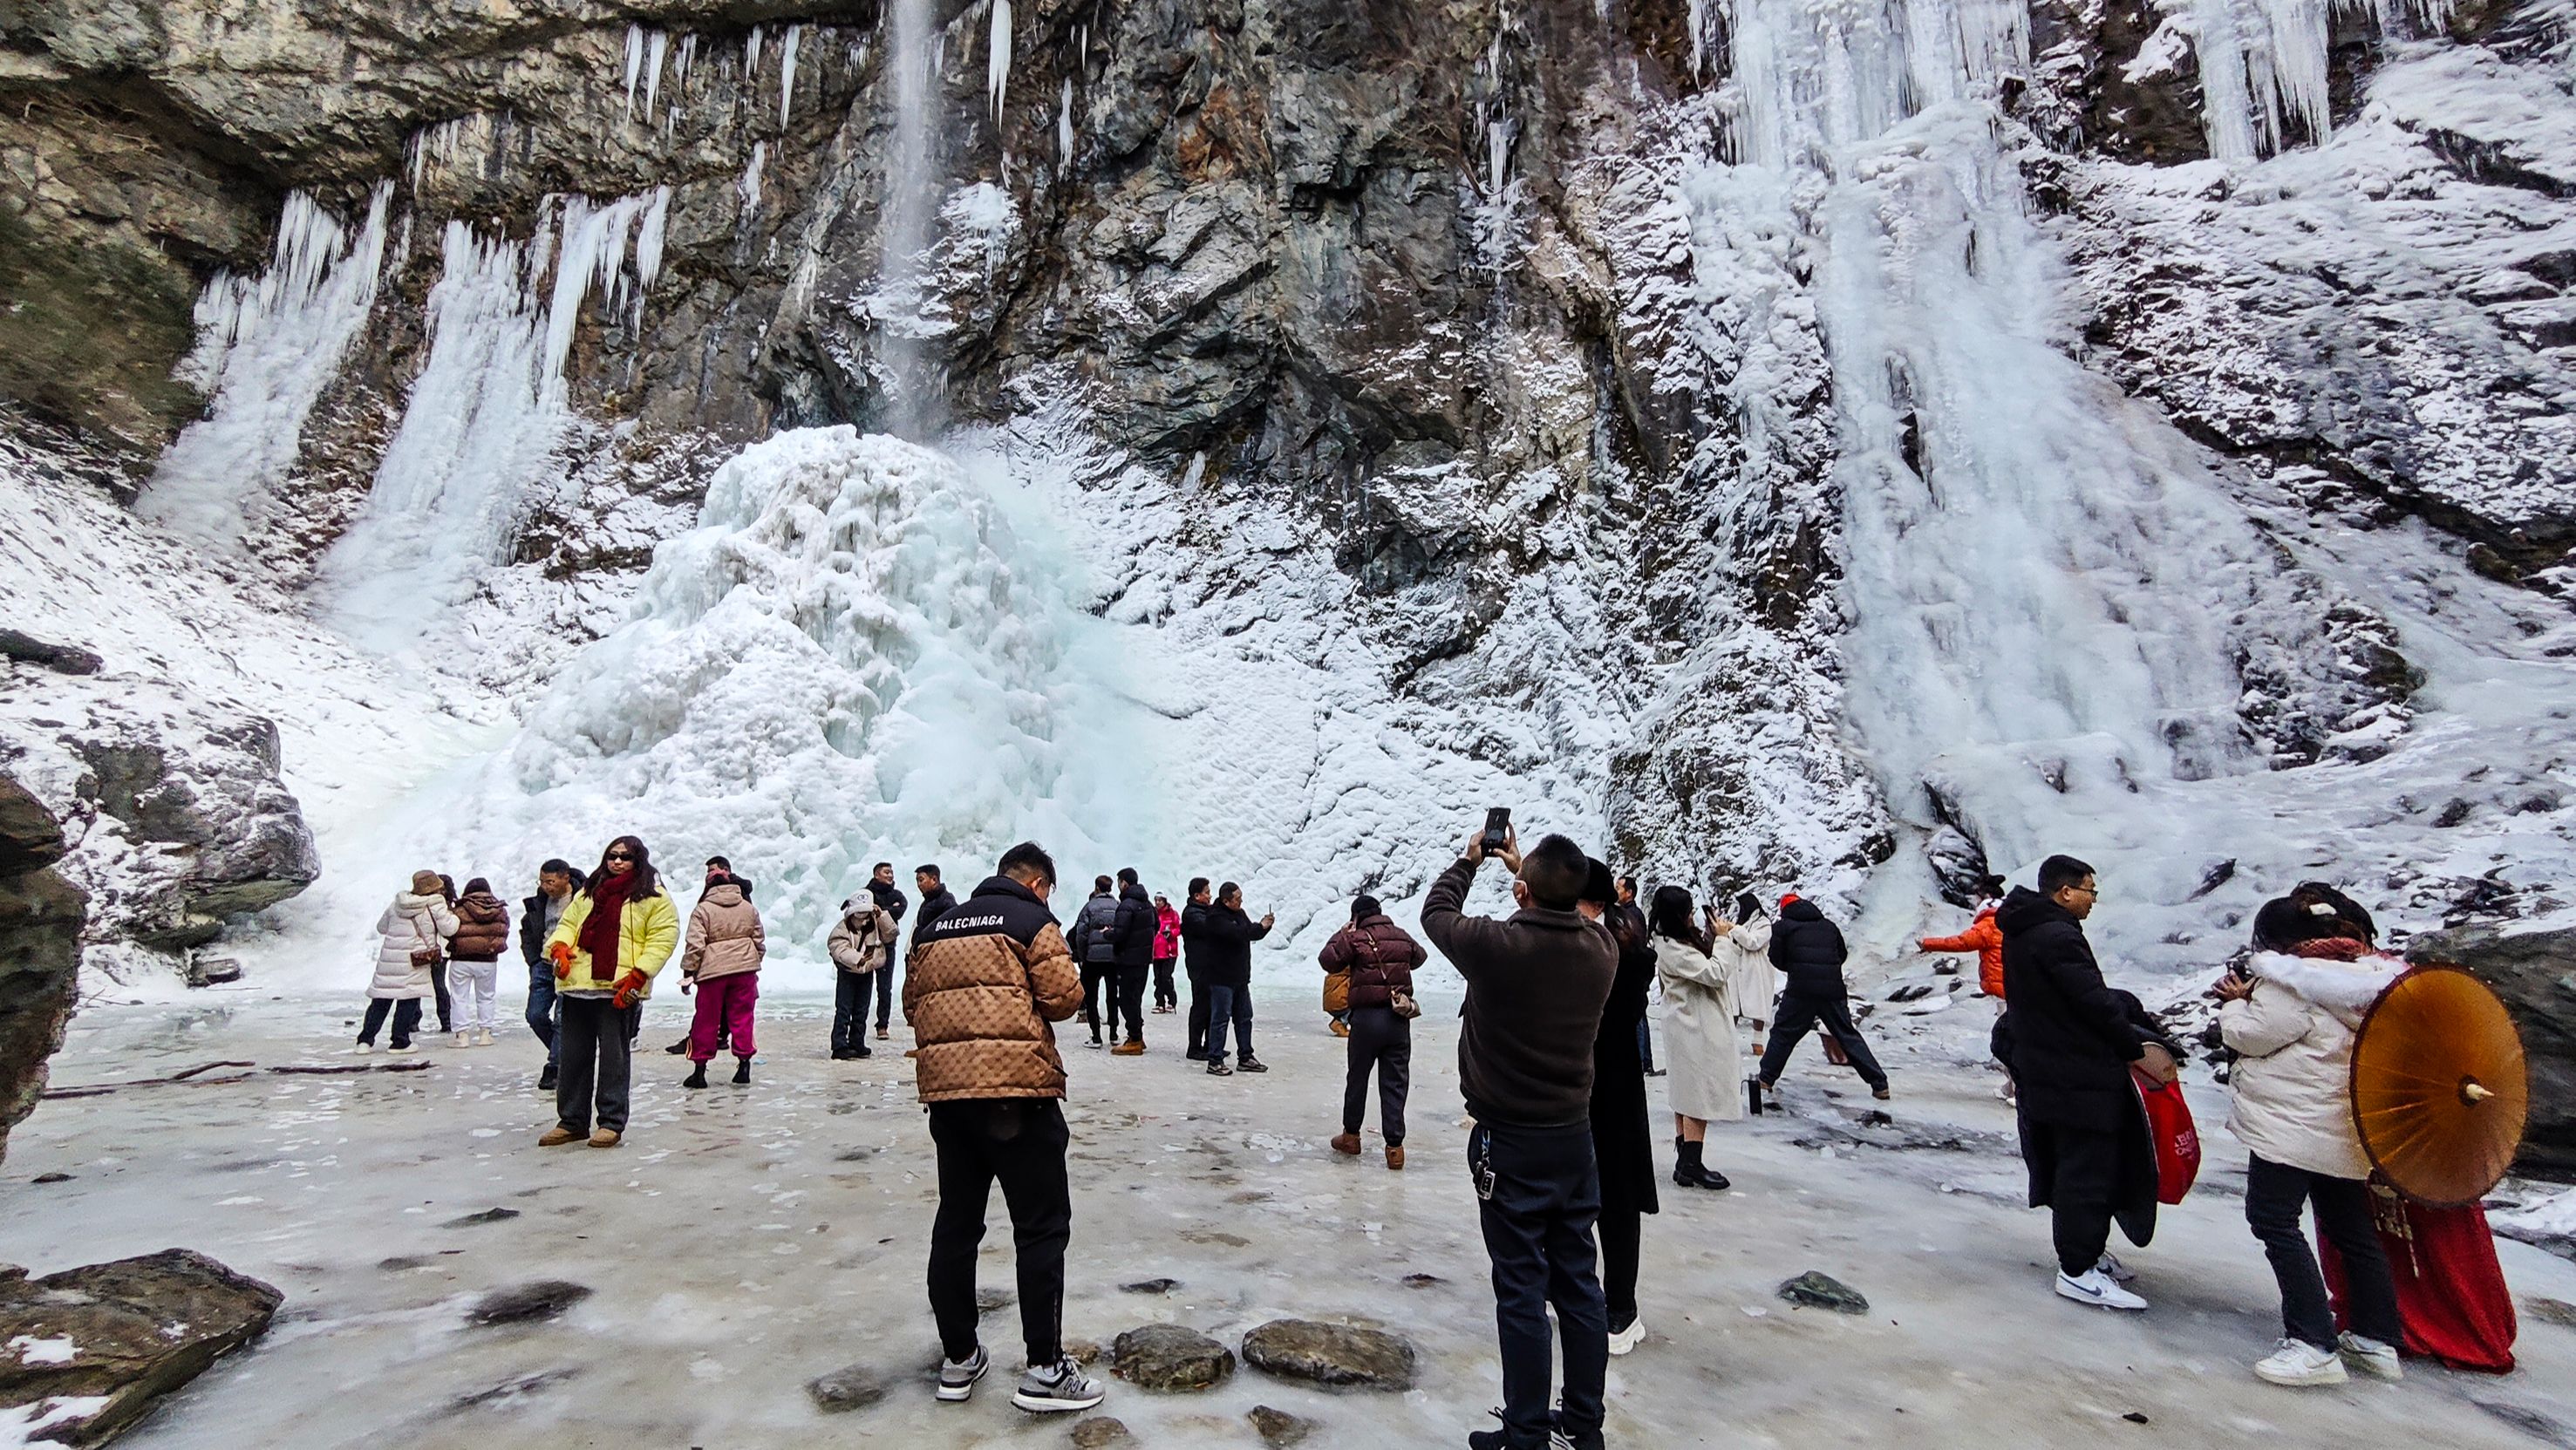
pixel 1699 1034
pixel 1623 1142
pixel 617 932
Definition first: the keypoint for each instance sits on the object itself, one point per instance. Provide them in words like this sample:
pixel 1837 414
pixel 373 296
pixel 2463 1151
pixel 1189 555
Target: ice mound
pixel 848 660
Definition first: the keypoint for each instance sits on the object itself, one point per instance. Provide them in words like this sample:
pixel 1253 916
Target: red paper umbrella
pixel 2439 1090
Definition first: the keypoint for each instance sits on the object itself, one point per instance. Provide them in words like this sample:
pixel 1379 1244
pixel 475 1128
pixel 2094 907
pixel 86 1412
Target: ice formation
pixel 267 347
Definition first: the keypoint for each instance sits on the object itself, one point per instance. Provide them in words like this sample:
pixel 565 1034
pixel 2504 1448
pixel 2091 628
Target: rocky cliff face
pixel 1544 308
pixel 40 928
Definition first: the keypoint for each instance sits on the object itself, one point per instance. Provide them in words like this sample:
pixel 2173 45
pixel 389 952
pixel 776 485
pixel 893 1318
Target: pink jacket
pixel 1167 934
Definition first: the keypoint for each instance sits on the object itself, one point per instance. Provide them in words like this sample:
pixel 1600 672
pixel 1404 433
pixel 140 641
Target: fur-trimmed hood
pixel 2345 989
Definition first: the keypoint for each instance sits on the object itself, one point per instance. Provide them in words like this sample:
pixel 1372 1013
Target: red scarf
pixel 598 934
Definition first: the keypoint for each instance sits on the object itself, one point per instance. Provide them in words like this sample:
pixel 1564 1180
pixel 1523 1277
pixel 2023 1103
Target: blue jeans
pixel 1229 1004
pixel 541 1007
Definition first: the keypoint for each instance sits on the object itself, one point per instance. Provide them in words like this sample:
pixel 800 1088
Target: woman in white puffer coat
pixel 2291 1019
pixel 410 938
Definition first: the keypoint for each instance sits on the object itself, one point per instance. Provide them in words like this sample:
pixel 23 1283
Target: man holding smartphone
pixel 1536 984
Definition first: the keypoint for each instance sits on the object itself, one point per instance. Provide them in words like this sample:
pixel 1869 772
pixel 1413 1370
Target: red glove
pixel 628 987
pixel 561 952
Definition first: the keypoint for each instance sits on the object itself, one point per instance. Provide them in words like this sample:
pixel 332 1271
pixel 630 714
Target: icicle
pixel 653 57
pixel 1064 128
pixel 787 74
pixel 688 52
pixel 648 248
pixel 634 64
pixel 751 58
pixel 749 186
pixel 997 67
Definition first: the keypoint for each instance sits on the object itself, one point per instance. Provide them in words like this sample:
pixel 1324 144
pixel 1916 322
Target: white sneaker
pixel 363 1048
pixel 957 1377
pixel 2112 1269
pixel 1623 1340
pixel 1057 1388
pixel 461 1039
pixel 483 1038
pixel 2298 1362
pixel 2095 1287
pixel 2371 1357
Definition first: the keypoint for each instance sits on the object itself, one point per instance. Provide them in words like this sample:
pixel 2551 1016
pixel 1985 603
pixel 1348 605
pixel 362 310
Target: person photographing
pixel 1537 982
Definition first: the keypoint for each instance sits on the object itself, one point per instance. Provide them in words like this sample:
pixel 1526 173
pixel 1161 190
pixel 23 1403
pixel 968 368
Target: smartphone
pixel 1498 826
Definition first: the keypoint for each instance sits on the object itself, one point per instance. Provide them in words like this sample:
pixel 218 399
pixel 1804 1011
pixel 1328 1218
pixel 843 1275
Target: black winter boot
pixel 1690 1172
pixel 742 1069
pixel 697 1077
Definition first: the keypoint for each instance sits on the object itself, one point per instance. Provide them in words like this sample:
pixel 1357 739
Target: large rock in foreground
pixel 2535 973
pixel 1169 1357
pixel 40 929
pixel 1331 1354
pixel 92 1348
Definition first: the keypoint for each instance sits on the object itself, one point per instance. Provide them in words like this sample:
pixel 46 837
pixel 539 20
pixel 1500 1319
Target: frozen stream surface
pixel 745 1241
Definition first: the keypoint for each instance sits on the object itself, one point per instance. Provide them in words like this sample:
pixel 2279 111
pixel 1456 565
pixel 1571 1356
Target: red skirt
pixel 2451 1293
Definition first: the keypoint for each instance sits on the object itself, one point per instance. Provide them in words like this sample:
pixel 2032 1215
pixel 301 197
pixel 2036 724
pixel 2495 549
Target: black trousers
pixel 850 1008
pixel 2081 1189
pixel 2274 1194
pixel 1800 1015
pixel 1538 1194
pixel 595 1063
pixel 1131 999
pixel 1623 1233
pixel 1018 1143
pixel 438 988
pixel 1165 994
pixel 1381 1040
pixel 406 1015
pixel 1198 1014
pixel 885 990
pixel 1099 980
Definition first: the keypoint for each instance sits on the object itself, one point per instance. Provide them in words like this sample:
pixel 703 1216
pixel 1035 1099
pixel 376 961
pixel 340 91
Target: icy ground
pixel 745 1241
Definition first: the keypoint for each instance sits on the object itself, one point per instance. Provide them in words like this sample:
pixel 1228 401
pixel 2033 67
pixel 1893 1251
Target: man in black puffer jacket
pixel 2069 1039
pixel 1132 938
pixel 1809 952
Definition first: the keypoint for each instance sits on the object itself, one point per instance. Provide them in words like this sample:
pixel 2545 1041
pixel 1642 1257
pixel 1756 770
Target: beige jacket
pixel 863 941
pixel 725 936
pixel 2290 1093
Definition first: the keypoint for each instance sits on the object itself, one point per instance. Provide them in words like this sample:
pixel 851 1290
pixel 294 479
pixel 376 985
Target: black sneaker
pixel 1196 1054
pixel 1057 1388
pixel 546 1079
pixel 742 1069
pixel 679 1048
pixel 1249 1063
pixel 1216 1068
pixel 957 1377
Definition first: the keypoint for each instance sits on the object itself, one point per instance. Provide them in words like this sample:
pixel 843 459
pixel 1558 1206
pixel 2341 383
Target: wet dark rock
pixel 124 1333
pixel 1098 1430
pixel 1151 1286
pixel 989 1299
pixel 851 1387
pixel 2535 973
pixel 1169 1357
pixel 61 658
pixel 1278 1428
pixel 41 917
pixel 1332 1354
pixel 1823 1291
pixel 528 1303
pixel 57 1177
pixel 1422 1281
pixel 489 1215
pixel 402 1263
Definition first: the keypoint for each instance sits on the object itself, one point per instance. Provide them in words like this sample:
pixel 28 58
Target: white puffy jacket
pixel 2290 1093
pixel 413 921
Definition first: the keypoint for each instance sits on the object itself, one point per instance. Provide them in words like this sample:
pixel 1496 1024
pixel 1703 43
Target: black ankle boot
pixel 697 1077
pixel 742 1069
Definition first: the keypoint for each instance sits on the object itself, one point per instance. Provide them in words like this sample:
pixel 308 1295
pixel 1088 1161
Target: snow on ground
pixel 745 1241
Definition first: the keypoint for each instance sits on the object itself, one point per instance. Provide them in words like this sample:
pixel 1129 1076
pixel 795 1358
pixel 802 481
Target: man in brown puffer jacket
pixel 980 987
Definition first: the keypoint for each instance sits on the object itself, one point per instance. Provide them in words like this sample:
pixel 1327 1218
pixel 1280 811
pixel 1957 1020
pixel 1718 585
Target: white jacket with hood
pixel 863 940
pixel 412 922
pixel 2290 1093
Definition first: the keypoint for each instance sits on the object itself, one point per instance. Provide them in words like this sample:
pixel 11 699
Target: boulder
pixel 1278 1428
pixel 173 807
pixel 1098 1430
pixel 40 932
pixel 1823 1291
pixel 2535 973
pixel 851 1387
pixel 1332 1354
pixel 65 659
pixel 94 1347
pixel 527 1303
pixel 1169 1357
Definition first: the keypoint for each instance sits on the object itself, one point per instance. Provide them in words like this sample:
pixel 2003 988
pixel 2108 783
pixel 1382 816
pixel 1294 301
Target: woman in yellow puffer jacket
pixel 615 934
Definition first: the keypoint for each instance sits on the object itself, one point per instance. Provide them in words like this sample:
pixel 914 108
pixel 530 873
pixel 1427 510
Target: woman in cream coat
pixel 1706 1070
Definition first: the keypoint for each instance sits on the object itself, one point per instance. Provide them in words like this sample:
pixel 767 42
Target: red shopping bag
pixel 2173 1135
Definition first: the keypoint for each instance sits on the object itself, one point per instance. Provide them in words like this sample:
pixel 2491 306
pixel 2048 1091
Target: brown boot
pixel 557 1136
pixel 1341 1028
pixel 605 1138
pixel 1347 1143
pixel 1129 1048
pixel 1395 1156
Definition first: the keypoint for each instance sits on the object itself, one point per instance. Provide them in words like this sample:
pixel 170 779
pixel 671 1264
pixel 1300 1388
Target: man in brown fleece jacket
pixel 1536 983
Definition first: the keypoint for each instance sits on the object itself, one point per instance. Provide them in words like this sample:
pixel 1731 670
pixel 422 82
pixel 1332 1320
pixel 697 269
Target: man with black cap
pixel 1536 984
